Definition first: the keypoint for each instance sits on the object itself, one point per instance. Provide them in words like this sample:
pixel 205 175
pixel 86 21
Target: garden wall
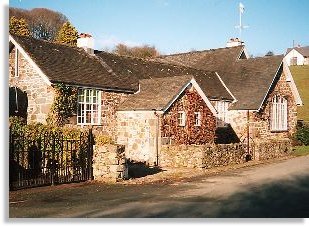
pixel 269 150
pixel 109 163
pixel 209 156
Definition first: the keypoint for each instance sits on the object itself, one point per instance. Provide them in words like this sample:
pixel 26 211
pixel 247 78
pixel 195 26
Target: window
pixel 279 114
pixel 222 108
pixel 89 107
pixel 181 118
pixel 197 118
pixel 293 61
pixel 16 62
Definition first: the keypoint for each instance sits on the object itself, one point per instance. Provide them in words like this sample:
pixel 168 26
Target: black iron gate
pixel 49 159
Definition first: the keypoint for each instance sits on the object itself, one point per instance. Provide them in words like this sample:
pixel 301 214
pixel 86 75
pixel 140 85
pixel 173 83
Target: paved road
pixel 280 189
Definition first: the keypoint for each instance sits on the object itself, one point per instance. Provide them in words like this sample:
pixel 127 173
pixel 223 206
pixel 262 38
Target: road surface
pixel 280 189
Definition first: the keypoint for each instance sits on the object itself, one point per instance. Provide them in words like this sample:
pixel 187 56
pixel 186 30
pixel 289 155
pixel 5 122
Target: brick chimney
pixel 86 42
pixel 233 42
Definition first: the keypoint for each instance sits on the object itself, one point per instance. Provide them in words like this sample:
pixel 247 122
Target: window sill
pixel 281 130
pixel 89 124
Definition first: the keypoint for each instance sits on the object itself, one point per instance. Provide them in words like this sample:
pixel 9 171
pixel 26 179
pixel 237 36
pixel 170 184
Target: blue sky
pixel 183 25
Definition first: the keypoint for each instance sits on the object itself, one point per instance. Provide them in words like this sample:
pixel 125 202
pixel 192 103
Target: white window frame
pixel 83 104
pixel 222 109
pixel 197 119
pixel 16 71
pixel 279 114
pixel 293 61
pixel 181 118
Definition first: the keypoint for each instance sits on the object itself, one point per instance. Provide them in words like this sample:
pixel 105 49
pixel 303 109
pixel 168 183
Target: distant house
pixel 143 104
pixel 297 56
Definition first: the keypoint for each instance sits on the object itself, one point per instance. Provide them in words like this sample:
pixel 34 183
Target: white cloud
pixel 110 41
pixel 163 3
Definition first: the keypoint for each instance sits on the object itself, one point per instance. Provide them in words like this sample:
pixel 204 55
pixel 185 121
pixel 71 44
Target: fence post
pixel 52 169
pixel 90 154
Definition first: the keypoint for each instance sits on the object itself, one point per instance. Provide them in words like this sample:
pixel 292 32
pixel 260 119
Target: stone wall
pixel 269 150
pixel 259 122
pixel 190 102
pixel 110 102
pixel 40 95
pixel 201 156
pixel 109 163
pixel 137 130
pixel 210 155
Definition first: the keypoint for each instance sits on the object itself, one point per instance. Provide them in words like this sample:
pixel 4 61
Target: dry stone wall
pixel 109 163
pixel 269 150
pixel 210 155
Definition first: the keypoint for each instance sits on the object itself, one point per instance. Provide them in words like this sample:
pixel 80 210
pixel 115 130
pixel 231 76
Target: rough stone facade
pixel 210 155
pixel 109 103
pixel 202 156
pixel 143 132
pixel 190 103
pixel 264 150
pixel 109 163
pixel 259 122
pixel 40 95
pixel 139 131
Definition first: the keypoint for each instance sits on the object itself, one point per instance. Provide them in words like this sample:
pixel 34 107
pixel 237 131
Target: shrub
pixel 36 130
pixel 102 139
pixel 302 134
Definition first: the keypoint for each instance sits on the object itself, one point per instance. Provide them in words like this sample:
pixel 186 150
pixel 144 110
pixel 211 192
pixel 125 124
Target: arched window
pixel 279 114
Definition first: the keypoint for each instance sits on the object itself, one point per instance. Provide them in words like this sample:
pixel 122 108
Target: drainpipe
pixel 157 136
pixel 16 100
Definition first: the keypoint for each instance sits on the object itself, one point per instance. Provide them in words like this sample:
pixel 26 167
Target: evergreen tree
pixel 18 26
pixel 67 35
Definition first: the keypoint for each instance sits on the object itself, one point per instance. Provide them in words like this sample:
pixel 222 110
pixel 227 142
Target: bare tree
pixel 43 23
pixel 269 53
pixel 145 51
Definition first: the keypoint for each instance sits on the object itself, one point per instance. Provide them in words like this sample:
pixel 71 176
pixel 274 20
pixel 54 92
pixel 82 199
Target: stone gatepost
pixel 109 163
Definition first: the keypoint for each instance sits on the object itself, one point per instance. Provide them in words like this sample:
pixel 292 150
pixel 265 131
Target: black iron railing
pixel 49 159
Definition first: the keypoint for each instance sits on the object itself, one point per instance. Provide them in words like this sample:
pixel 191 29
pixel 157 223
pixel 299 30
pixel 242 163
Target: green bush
pixel 102 139
pixel 302 134
pixel 36 130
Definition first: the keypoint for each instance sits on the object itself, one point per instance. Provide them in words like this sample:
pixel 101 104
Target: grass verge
pixel 300 150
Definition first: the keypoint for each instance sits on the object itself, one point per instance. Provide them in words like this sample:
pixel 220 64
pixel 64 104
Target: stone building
pixel 169 110
pixel 145 103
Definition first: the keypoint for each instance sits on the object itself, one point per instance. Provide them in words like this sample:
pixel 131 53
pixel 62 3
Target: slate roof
pixel 247 79
pixel 250 80
pixel 136 69
pixel 156 94
pixel 302 50
pixel 211 60
pixel 72 65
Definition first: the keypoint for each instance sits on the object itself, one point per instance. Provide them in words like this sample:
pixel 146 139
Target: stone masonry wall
pixel 201 156
pixel 263 150
pixel 209 156
pixel 109 163
pixel 259 123
pixel 190 102
pixel 110 101
pixel 137 131
pixel 40 95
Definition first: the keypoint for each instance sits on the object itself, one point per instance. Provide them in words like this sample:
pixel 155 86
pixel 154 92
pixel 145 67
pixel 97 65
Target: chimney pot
pixel 86 42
